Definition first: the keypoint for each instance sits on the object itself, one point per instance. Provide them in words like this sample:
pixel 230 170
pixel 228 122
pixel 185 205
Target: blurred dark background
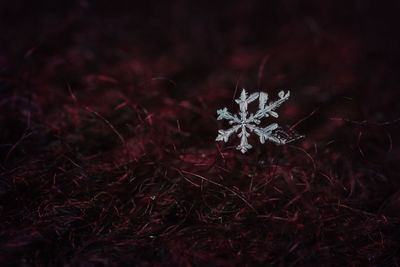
pixel 319 50
pixel 93 90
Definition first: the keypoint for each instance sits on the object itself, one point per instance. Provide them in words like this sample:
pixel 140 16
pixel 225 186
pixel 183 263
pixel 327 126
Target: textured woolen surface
pixel 108 122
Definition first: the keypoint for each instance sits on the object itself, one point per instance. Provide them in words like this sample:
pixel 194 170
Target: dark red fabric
pixel 108 126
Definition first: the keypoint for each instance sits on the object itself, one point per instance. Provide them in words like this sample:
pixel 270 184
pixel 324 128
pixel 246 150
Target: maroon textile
pixel 108 126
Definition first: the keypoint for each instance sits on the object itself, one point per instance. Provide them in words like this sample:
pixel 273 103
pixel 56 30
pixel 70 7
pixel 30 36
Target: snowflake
pixel 246 123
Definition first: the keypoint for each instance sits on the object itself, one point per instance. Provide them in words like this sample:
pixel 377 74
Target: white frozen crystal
pixel 245 123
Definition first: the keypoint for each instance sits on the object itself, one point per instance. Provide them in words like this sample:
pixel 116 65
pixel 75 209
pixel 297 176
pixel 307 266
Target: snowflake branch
pixel 225 114
pixel 243 101
pixel 266 111
pixel 244 145
pixel 224 135
pixel 265 133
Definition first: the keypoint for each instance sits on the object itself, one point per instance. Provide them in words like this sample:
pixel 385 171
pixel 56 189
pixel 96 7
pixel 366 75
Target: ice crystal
pixel 245 123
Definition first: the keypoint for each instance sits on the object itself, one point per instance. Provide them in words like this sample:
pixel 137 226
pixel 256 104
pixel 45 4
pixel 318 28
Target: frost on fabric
pixel 245 123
